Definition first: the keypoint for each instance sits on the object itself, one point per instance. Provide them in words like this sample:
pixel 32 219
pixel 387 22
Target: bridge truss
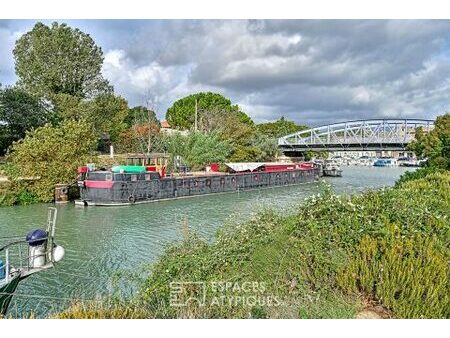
pixel 361 135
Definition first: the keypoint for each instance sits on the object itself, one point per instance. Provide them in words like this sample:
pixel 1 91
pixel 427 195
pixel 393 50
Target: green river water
pixel 103 242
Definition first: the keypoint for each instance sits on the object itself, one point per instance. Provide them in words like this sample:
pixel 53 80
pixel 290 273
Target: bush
pixel 416 174
pixel 408 275
pixel 332 250
pixel 7 196
pixel 321 261
pixel 46 156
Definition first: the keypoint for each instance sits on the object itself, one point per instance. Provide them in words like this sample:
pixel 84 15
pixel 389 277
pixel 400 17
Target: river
pixel 104 242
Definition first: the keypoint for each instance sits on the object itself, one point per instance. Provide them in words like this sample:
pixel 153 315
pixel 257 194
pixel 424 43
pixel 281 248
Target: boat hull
pixel 332 172
pixel 6 294
pixel 124 192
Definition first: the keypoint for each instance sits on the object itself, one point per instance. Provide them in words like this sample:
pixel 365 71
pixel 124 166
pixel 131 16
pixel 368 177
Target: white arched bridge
pixel 373 134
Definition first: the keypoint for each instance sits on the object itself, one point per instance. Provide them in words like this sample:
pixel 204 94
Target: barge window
pixel 147 177
pixel 108 177
pixel 133 178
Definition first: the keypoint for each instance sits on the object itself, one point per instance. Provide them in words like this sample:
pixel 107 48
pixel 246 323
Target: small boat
pixel 22 257
pixel 366 161
pixel 408 162
pixel 385 162
pixel 332 169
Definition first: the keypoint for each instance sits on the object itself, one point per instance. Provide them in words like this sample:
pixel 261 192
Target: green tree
pixel 107 113
pixel 279 128
pixel 182 113
pixel 59 60
pixel 198 149
pixel 434 145
pixel 268 147
pixel 49 155
pixel 19 112
pixel 139 115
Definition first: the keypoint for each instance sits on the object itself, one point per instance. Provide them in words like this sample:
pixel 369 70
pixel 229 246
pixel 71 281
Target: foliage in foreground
pixel 389 246
pixel 417 174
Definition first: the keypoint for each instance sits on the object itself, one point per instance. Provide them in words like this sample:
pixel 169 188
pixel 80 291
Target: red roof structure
pixel 165 124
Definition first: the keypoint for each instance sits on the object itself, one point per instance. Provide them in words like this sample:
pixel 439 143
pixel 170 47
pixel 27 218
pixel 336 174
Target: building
pixel 167 129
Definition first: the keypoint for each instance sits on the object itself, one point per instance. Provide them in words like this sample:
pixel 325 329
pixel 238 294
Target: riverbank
pixel 331 258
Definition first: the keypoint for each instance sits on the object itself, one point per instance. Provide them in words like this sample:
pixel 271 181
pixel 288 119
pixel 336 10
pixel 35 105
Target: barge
pixel 127 185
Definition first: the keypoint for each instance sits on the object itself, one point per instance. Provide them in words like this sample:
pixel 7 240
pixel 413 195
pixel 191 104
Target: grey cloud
pixel 312 71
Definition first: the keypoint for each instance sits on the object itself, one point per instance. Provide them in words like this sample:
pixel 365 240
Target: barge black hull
pixel 125 191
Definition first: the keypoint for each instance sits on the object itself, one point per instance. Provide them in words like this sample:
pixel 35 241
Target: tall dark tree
pixel 59 60
pixel 19 113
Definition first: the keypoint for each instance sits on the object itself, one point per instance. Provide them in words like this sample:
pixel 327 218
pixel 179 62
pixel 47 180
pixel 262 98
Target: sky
pixel 314 72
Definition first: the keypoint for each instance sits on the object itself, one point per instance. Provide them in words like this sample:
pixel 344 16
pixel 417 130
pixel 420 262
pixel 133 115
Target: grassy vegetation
pixel 419 173
pixel 326 260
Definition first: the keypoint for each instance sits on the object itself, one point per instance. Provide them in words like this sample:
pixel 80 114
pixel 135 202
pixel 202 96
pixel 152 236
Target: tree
pixel 267 146
pixel 59 60
pixel 141 138
pixel 49 155
pixel 279 128
pixel 107 114
pixel 139 115
pixel 19 112
pixel 198 149
pixel 142 134
pixel 434 145
pixel 182 113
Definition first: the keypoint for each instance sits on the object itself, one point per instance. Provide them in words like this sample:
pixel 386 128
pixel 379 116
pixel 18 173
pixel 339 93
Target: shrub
pixel 390 245
pixel 416 174
pixel 49 155
pixel 408 275
pixel 332 249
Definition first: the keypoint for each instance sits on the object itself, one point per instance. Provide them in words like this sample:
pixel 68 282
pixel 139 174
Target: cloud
pixel 146 82
pixel 7 40
pixel 312 71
